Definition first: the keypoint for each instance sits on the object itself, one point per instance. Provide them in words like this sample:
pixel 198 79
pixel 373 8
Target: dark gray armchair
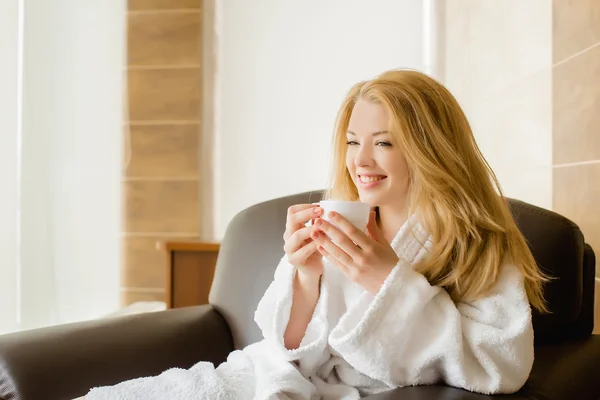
pixel 63 362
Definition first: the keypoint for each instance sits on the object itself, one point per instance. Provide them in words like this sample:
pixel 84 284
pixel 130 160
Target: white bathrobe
pixel 410 333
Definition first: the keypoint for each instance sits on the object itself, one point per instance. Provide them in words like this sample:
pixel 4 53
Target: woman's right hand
pixel 300 248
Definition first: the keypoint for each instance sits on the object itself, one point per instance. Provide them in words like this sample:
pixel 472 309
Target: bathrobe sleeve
pixel 273 313
pixel 412 333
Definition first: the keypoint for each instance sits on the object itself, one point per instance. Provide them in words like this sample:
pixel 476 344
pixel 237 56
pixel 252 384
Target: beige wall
pixel 283 69
pixel 498 65
pixel 576 119
pixel 162 136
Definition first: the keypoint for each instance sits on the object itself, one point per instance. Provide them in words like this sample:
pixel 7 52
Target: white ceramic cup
pixel 354 211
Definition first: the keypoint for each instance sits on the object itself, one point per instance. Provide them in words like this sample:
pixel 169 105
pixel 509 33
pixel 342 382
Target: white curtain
pixel 60 212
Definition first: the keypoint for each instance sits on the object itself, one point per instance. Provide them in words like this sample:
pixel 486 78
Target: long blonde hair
pixel 452 187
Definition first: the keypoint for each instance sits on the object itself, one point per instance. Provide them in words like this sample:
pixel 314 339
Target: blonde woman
pixel 439 289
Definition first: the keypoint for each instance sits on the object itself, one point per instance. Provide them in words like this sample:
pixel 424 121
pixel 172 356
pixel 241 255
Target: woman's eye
pixel 385 144
pixel 351 142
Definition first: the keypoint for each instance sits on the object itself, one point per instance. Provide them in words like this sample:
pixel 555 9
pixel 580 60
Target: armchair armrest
pixel 560 371
pixel 64 362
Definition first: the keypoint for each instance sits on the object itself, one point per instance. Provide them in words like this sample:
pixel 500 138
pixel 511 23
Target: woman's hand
pixel 365 259
pixel 300 248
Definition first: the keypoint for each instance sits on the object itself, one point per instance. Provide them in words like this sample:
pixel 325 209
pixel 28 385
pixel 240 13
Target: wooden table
pixel 190 271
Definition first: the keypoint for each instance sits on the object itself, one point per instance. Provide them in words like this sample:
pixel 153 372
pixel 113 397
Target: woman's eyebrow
pixel 373 134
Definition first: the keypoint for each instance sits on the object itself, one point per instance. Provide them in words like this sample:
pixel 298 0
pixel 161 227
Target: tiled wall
pixel 576 119
pixel 161 139
pixel 537 62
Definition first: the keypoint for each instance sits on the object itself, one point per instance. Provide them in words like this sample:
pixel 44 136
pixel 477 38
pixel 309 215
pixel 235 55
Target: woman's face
pixel 378 168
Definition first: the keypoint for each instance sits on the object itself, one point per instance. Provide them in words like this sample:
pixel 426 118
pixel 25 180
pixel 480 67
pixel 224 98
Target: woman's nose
pixel 363 157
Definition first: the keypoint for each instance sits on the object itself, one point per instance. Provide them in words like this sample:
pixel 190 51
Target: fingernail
pixel 317 210
pixel 332 214
pixel 318 222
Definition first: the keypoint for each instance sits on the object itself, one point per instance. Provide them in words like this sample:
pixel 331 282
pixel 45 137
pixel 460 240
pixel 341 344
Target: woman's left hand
pixel 365 259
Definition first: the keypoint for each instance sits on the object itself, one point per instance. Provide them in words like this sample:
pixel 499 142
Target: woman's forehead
pixel 368 118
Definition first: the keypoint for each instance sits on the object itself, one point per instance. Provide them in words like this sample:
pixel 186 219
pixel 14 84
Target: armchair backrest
pixel 560 250
pixel 253 245
pixel 250 251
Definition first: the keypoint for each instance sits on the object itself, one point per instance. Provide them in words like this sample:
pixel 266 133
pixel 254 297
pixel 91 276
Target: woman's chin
pixel 373 201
